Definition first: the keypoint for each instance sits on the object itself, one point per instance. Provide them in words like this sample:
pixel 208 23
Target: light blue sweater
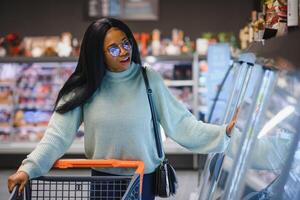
pixel 117 125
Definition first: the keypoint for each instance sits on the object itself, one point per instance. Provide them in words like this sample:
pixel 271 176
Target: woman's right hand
pixel 19 178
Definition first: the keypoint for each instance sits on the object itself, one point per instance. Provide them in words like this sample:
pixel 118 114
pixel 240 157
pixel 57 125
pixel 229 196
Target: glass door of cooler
pixel 238 84
pixel 240 139
pixel 267 165
pixel 288 184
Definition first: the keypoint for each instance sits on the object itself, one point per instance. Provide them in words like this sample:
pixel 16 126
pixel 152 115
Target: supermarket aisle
pixel 187 180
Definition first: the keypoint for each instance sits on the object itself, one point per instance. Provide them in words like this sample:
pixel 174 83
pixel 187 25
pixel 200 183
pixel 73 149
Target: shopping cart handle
pixel 88 163
pixel 14 194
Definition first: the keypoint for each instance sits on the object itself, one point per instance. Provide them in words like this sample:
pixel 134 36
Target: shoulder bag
pixel 165 177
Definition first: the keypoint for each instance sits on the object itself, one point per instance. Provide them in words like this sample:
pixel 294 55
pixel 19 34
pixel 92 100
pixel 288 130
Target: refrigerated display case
pixel 287 185
pixel 256 157
pixel 262 159
pixel 239 88
pixel 245 141
pixel 269 136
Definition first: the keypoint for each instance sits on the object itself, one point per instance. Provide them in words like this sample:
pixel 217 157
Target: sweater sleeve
pixel 57 139
pixel 181 126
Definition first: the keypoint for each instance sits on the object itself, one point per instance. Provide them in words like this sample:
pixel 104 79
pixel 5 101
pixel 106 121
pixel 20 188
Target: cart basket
pixel 86 187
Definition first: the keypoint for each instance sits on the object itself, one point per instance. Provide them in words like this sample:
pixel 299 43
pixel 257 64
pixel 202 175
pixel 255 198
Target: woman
pixel 107 93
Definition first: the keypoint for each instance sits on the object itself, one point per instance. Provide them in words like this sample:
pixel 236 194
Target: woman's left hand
pixel 232 122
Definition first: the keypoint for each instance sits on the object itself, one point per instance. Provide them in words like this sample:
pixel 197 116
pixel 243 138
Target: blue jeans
pixel 148 185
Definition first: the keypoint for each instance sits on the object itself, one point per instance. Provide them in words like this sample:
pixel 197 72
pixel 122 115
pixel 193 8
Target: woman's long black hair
pixel 91 66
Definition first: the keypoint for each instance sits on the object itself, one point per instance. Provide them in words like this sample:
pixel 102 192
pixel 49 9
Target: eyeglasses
pixel 115 50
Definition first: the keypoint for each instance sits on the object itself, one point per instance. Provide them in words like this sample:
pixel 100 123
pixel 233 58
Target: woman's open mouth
pixel 125 60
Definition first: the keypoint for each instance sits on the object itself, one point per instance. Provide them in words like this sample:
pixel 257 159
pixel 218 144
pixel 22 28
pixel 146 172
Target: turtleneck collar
pixel 124 75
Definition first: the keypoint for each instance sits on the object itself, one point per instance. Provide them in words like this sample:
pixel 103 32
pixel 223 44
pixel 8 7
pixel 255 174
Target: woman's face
pixel 117 50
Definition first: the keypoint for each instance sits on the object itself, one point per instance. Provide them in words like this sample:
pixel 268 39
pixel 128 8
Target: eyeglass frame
pixel 119 46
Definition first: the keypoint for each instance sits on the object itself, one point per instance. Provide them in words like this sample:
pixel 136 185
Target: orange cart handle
pixel 87 163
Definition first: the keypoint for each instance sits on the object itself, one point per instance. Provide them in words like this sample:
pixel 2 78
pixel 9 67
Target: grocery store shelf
pixel 7 83
pixel 39 59
pixel 175 83
pixel 27 147
pixel 152 59
pixel 202 90
pixel 12 154
pixel 22 59
pixel 77 147
pixel 74 59
pixel 7 106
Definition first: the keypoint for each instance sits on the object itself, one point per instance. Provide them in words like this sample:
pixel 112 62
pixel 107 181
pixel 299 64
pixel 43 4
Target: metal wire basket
pixel 86 187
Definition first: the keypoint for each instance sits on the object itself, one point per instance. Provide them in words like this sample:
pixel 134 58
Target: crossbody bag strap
pixel 153 114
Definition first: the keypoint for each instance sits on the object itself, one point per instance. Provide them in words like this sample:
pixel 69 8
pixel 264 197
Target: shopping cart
pixel 86 187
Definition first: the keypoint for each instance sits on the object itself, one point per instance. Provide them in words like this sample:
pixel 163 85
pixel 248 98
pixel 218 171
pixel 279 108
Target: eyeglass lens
pixel 115 49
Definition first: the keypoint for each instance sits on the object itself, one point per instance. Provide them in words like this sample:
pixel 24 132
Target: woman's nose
pixel 123 51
